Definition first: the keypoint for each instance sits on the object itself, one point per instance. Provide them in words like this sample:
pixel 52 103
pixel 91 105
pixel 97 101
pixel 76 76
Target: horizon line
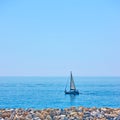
pixel 50 76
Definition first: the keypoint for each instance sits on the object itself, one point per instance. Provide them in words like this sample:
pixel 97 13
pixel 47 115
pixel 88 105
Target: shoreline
pixel 72 113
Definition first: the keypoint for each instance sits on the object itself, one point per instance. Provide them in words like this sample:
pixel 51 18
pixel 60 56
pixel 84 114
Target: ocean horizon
pixel 48 92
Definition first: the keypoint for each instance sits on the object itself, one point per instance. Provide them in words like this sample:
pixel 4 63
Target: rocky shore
pixel 73 113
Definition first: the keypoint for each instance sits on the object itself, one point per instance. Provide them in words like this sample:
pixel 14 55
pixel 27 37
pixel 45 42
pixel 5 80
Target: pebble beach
pixel 72 113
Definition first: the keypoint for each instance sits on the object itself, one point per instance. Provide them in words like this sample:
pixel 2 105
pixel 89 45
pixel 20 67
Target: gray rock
pixel 6 118
pixel 29 116
pixel 87 114
pixel 12 116
pixel 99 115
pixel 36 118
pixel 62 117
pixel 0 113
pixel 94 113
pixel 1 118
pixel 30 109
pixel 109 118
pixel 117 118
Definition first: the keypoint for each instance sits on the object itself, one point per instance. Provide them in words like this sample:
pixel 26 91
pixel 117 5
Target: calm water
pixel 44 92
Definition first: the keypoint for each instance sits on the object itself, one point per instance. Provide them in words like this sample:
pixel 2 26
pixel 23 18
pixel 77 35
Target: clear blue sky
pixel 53 37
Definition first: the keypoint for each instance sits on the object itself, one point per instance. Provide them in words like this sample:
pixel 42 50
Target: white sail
pixel 72 84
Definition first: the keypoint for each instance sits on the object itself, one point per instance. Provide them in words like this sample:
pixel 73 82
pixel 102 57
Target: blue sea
pixel 48 92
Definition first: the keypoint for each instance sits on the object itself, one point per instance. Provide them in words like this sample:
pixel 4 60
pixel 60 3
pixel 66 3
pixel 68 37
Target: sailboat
pixel 73 89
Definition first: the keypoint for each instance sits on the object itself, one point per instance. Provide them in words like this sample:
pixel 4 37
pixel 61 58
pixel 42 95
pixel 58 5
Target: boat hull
pixel 72 92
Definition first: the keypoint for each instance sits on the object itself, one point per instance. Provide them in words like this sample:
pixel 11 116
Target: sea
pixel 48 92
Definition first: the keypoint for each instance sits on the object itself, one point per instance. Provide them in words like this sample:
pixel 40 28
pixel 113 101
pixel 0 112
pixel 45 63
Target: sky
pixel 54 37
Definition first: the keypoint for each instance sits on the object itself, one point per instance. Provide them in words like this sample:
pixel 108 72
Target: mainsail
pixel 72 84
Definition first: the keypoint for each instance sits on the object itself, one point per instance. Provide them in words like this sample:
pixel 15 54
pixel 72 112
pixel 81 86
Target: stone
pixel 62 117
pixel 41 117
pixel 48 117
pixel 72 113
pixel 29 116
pixel 6 114
pixel 1 119
pixel 36 118
pixel 117 118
